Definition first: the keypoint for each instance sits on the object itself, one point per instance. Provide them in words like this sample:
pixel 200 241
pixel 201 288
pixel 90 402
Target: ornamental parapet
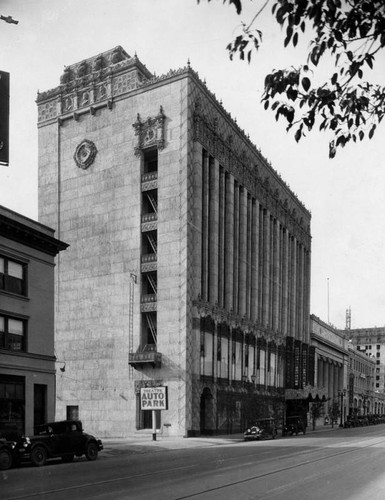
pixel 91 84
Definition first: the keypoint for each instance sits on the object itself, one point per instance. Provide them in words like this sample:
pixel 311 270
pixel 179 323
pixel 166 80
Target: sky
pixel 346 195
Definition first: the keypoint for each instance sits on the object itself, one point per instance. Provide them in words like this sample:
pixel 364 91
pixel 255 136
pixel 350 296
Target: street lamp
pixel 341 395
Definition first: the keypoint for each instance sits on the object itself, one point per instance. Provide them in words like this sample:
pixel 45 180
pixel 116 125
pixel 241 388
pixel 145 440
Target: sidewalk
pixel 143 443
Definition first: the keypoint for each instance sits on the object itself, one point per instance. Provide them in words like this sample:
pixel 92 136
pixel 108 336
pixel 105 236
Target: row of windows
pixel 13 276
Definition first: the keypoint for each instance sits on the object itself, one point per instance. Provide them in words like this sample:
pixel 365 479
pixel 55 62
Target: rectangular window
pixel 72 412
pixel 219 348
pixel 12 334
pixel 12 405
pixel 13 276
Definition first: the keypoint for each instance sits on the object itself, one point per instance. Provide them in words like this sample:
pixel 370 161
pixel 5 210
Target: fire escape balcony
pixel 148 302
pixel 149 222
pixel 147 356
pixel 150 181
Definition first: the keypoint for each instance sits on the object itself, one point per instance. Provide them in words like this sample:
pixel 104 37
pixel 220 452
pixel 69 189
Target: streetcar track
pixel 41 494
pixel 282 469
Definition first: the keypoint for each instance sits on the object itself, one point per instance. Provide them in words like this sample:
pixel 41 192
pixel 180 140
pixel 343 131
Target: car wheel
pixel 5 459
pixel 91 451
pixel 39 456
pixel 67 458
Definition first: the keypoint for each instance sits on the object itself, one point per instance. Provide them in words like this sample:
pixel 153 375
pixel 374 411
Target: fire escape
pixel 147 352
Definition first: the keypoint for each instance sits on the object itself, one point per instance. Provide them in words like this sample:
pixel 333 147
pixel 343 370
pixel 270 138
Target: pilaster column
pixel 330 379
pixel 266 267
pixel 236 249
pixel 319 372
pixel 213 231
pixel 221 239
pixel 326 375
pixel 242 251
pixel 293 291
pixel 196 226
pixel 205 225
pixel 276 275
pixel 248 256
pixel 254 261
pixel 229 241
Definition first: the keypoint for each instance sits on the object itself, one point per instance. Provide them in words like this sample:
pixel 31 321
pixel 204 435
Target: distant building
pixel 371 341
pixel 332 362
pixel 27 356
pixel 344 372
pixel 362 398
pixel 189 264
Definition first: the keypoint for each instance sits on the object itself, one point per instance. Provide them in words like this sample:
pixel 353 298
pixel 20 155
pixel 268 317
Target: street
pixel 339 464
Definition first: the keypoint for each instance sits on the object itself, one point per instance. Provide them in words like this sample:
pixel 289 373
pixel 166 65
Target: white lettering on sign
pixel 153 398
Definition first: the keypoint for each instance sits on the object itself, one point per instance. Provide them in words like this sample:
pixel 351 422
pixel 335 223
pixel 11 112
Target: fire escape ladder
pixel 153 283
pixel 153 202
pixel 152 326
pixel 152 242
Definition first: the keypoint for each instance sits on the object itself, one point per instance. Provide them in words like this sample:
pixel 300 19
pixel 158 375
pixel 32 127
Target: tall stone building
pixel 189 258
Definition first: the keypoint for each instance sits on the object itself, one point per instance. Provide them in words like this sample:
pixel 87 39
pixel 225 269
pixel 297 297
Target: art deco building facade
pixel 189 259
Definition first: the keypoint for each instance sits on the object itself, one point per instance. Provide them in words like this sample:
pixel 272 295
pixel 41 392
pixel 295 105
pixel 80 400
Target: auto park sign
pixel 153 398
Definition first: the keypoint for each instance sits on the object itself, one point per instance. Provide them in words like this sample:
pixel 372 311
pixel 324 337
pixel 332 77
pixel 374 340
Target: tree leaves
pixel 305 83
pixel 352 33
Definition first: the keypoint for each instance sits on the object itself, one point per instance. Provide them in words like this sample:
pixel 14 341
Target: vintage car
pixel 294 425
pixel 63 440
pixel 7 454
pixel 262 429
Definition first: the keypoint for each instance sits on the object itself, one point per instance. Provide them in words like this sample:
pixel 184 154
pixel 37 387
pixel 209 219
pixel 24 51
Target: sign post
pixel 153 398
pixel 4 118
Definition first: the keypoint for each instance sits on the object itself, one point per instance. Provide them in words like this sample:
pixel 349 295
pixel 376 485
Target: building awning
pixel 309 393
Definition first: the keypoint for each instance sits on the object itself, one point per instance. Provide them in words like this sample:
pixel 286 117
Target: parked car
pixel 262 429
pixel 9 431
pixel 363 420
pixel 63 440
pixel 294 425
pixel 7 454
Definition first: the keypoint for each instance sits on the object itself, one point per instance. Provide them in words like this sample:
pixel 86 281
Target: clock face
pixel 85 154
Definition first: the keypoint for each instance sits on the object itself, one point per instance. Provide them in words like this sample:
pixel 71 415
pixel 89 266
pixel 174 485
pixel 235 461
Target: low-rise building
pixel 360 394
pixel 331 365
pixel 27 356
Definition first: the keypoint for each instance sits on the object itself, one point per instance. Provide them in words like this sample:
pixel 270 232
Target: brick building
pixel 27 356
pixel 189 264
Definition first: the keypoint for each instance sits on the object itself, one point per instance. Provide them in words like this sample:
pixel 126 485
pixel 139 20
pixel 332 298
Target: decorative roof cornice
pixel 25 234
